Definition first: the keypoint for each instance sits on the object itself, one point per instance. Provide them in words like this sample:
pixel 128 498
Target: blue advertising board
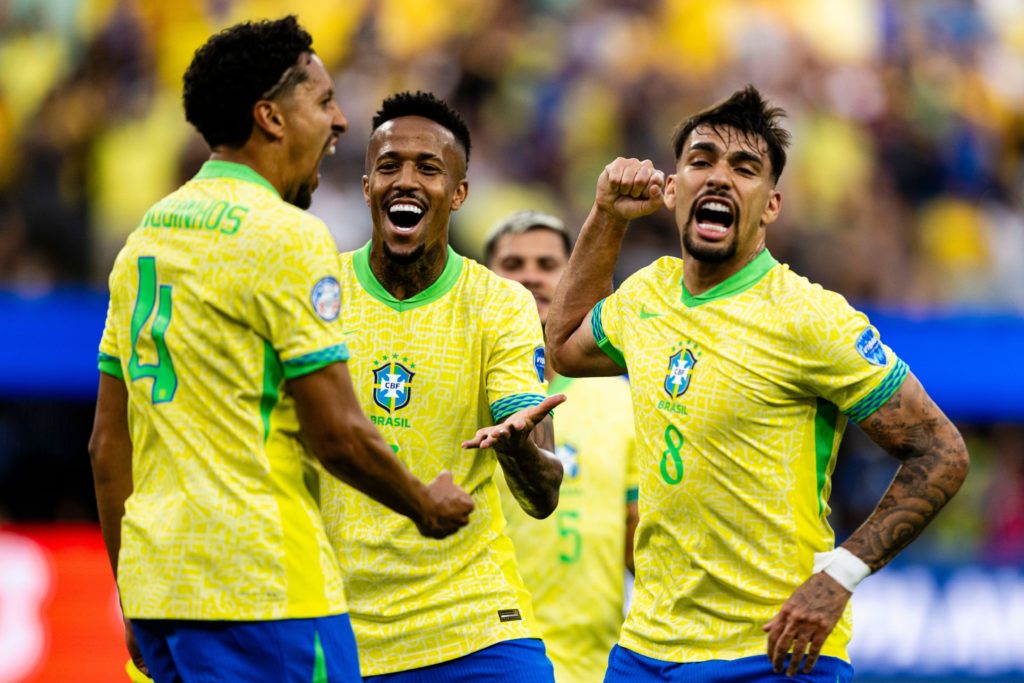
pixel 923 623
pixel 971 363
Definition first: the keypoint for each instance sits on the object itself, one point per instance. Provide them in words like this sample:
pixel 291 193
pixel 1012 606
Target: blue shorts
pixel 626 666
pixel 318 650
pixel 523 660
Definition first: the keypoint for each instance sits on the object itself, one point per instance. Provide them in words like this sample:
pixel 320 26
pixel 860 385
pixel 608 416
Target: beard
pixel 709 253
pixel 404 258
pixel 304 197
pixel 716 252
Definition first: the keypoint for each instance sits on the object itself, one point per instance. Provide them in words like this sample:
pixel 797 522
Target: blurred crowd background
pixel 903 190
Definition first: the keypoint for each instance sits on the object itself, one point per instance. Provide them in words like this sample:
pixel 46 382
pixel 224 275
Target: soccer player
pixel 744 376
pixel 220 357
pixel 574 563
pixel 447 356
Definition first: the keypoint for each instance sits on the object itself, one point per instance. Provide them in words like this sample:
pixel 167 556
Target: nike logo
pixel 644 314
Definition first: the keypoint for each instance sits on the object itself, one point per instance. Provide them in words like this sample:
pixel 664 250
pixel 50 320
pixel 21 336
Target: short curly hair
pixel 428 106
pixel 748 112
pixel 236 68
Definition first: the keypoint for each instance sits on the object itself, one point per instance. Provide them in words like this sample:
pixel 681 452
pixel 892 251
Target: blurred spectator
pixel 1004 499
pixel 906 186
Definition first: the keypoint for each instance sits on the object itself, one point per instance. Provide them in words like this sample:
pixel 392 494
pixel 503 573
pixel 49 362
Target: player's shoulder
pixel 356 277
pixel 661 271
pixel 347 259
pixel 663 275
pixel 494 291
pixel 118 270
pixel 285 224
pixel 803 302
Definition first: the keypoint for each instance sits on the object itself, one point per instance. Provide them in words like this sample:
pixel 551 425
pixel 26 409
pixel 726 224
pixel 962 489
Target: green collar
pixel 440 287
pixel 215 168
pixel 737 283
pixel 558 384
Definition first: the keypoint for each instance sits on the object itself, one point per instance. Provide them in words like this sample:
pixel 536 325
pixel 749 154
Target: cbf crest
pixel 680 369
pixel 391 383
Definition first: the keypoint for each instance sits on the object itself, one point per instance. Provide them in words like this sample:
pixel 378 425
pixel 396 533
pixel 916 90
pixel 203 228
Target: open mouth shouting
pixel 713 217
pixel 404 214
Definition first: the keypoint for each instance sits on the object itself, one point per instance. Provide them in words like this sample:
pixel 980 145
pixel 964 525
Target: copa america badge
pixel 326 298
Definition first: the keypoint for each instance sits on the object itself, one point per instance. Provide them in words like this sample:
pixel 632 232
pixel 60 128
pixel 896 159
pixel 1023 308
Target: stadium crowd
pixel 904 187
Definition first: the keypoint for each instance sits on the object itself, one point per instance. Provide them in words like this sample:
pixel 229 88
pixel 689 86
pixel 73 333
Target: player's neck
pixel 249 156
pixel 700 276
pixel 405 279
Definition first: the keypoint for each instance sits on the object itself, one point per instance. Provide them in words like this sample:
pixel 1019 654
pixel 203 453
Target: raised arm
pixel 352 449
pixel 934 463
pixel 626 189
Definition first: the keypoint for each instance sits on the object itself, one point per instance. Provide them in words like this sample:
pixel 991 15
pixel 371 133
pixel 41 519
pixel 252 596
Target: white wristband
pixel 846 568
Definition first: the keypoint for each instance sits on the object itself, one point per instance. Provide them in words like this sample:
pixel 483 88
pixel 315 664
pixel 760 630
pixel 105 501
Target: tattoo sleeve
pixel 934 463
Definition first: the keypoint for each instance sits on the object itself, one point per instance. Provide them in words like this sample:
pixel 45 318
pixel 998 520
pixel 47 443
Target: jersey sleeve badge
pixel 539 363
pixel 326 298
pixel 869 346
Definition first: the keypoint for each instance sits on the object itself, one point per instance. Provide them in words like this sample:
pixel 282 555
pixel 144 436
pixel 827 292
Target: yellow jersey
pixel 740 396
pixel 429 371
pixel 573 562
pixel 220 294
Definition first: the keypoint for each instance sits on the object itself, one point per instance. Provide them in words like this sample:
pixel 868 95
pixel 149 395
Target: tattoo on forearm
pixel 934 465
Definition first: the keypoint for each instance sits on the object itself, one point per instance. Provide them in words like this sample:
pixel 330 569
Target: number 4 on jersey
pixel 165 382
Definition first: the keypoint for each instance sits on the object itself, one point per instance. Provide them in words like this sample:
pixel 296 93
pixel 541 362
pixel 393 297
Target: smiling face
pixel 723 195
pixel 535 259
pixel 313 123
pixel 415 177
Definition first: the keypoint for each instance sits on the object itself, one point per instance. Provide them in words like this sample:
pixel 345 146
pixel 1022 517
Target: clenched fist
pixel 630 188
pixel 447 508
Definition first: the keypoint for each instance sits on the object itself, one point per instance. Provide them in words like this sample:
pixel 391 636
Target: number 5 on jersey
pixel 165 382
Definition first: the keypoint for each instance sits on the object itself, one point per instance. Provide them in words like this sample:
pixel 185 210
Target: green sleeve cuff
pixel 865 407
pixel 110 365
pixel 603 343
pixel 311 362
pixel 632 495
pixel 504 407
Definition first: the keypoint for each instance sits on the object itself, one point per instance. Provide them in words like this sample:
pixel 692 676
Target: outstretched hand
pixel 514 433
pixel 630 188
pixel 448 507
pixel 804 622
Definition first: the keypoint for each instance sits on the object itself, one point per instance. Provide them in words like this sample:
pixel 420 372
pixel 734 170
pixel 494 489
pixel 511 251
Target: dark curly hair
pixel 428 106
pixel 748 112
pixel 236 68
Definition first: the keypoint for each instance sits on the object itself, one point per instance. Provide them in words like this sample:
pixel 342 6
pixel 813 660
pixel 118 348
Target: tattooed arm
pixel 525 442
pixel 911 428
